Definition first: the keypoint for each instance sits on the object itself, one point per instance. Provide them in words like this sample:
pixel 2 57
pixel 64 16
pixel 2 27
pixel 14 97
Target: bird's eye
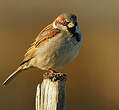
pixel 65 23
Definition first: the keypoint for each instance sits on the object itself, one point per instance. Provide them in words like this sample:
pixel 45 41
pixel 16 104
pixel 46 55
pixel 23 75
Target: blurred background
pixel 93 77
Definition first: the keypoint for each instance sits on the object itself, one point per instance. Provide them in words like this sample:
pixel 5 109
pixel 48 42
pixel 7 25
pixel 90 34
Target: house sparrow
pixel 55 46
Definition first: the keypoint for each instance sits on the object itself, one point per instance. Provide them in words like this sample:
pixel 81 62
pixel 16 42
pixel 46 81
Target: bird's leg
pixel 53 75
pixel 51 71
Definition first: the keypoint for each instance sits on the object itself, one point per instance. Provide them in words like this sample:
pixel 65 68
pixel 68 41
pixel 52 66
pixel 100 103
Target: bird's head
pixel 66 22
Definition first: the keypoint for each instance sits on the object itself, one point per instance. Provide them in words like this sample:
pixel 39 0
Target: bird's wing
pixel 47 33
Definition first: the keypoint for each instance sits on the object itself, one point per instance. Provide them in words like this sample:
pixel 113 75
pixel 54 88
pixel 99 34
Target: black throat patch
pixel 75 34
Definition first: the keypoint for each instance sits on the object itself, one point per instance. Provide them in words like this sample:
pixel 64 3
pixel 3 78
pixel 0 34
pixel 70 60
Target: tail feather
pixel 13 75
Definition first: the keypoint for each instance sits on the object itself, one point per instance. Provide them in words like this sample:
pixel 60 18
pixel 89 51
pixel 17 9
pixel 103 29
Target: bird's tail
pixel 13 75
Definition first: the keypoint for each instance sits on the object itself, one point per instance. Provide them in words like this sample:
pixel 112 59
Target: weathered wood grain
pixel 51 93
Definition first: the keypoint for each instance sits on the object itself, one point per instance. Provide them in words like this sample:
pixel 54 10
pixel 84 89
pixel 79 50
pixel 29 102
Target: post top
pixel 55 76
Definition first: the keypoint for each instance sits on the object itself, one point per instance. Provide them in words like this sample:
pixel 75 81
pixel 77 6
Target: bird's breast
pixel 57 52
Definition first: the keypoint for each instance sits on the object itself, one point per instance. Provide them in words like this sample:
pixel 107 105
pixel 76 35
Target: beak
pixel 70 25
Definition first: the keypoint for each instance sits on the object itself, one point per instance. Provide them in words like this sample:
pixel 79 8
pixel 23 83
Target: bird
pixel 55 46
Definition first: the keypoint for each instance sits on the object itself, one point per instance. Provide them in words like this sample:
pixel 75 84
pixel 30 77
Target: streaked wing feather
pixel 43 37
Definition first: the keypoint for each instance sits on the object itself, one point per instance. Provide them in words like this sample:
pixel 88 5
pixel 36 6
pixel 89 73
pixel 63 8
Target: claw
pixel 51 71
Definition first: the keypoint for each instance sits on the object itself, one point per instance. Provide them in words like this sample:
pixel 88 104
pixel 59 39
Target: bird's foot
pixel 54 76
pixel 51 71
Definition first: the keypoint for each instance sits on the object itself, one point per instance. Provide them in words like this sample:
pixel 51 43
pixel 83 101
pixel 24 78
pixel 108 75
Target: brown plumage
pixel 55 46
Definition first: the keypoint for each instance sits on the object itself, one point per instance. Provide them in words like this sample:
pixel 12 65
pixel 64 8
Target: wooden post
pixel 50 94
